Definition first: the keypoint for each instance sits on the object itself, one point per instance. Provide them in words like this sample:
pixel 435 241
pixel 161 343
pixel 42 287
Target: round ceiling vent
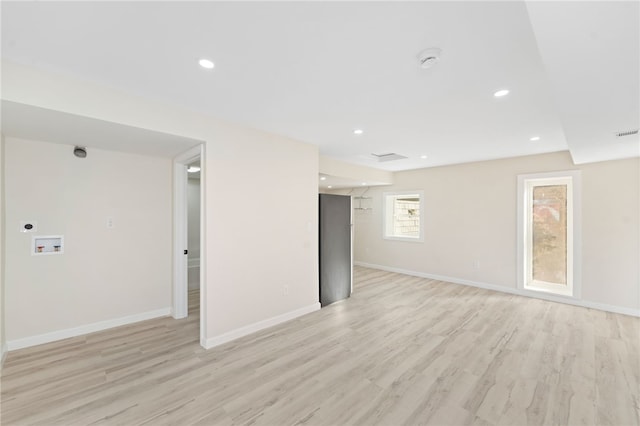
pixel 429 57
pixel 80 151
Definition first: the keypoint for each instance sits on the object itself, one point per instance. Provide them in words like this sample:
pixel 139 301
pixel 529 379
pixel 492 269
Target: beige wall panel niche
pixel 104 274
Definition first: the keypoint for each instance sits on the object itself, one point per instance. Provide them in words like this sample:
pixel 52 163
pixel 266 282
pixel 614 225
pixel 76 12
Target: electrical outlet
pixel 110 223
pixel 285 290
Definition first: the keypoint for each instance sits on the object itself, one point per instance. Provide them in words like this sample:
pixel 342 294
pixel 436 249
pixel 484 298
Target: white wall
pixel 104 274
pixel 354 172
pixel 262 228
pixel 193 221
pixel 3 339
pixel 470 212
pixel 269 241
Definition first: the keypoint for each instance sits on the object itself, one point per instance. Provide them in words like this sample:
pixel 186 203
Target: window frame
pixel 526 184
pixel 387 221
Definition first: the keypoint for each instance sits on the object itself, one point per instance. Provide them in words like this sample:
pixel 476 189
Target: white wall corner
pixel 53 336
pixel 260 325
pixel 5 350
pixel 511 290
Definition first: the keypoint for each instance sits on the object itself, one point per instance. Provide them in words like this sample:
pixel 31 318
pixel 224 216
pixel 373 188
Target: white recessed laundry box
pixel 47 244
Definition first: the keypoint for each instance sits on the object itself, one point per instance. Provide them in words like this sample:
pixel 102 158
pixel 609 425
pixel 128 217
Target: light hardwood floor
pixel 401 350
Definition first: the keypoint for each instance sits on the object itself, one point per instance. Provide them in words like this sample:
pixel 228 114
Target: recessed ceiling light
pixel 535 138
pixel 424 157
pixel 501 93
pixel 329 186
pixel 364 183
pixel 193 169
pixel 358 131
pixel 205 63
pixel 323 178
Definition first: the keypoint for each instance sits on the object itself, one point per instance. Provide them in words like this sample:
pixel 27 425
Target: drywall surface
pixel 193 209
pixel 105 273
pixel 262 229
pixel 3 338
pixel 354 172
pixel 193 222
pixel 261 256
pixel 611 232
pixel 470 225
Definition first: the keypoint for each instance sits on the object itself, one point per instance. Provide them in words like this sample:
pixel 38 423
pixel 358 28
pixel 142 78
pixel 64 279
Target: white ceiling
pixel 314 71
pixel 591 51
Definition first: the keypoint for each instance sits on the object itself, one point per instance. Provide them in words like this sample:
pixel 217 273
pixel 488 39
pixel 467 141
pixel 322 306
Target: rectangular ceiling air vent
pixel 388 157
pixel 627 133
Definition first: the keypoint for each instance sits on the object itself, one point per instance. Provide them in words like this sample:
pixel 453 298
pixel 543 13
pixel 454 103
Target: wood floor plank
pixel 401 351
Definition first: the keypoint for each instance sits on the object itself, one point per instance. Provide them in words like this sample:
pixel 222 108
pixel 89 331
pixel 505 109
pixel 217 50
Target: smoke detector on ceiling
pixel 429 57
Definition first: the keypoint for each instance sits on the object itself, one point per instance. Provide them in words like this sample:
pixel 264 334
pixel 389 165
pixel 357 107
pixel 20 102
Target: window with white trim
pixel 547 232
pixel 403 215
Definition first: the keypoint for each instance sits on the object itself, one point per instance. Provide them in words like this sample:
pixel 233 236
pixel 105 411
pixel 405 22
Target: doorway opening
pixel 189 237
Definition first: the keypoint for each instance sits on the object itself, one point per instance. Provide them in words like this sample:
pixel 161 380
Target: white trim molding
pixel 257 326
pixel 180 234
pixel 519 292
pixel 389 217
pixel 53 336
pixel 572 180
pixel 180 301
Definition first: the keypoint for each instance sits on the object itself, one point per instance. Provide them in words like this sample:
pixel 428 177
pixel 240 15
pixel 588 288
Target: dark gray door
pixel 335 248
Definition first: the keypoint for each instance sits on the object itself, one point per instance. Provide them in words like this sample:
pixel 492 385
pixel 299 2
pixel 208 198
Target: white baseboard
pixel 260 325
pixel 85 329
pixel 560 299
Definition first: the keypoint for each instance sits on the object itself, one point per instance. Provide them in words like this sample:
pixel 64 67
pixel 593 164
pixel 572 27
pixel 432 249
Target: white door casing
pixel 180 236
